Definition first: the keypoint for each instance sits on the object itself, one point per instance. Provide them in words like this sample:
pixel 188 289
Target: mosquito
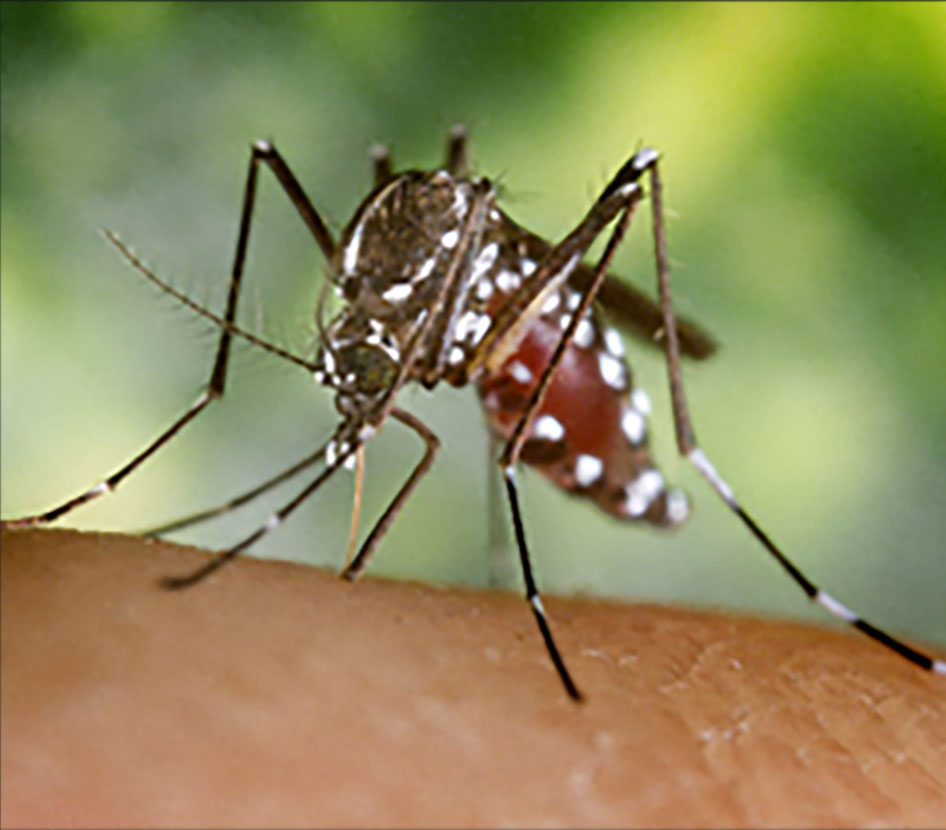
pixel 437 284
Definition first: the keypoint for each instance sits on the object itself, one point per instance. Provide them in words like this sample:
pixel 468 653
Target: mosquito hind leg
pixel 690 449
pixel 261 152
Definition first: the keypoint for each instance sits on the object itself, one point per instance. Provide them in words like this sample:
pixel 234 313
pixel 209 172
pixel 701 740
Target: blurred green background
pixel 805 164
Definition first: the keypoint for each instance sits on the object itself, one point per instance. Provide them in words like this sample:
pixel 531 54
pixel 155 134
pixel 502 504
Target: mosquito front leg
pixel 432 444
pixel 340 449
pixel 689 448
pixel 620 197
pixel 238 501
pixel 261 152
pixel 532 590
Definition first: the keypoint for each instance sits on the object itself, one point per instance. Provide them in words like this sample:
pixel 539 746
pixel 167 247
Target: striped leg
pixel 688 447
pixel 261 152
pixel 238 501
pixel 338 451
pixel 619 198
pixel 532 590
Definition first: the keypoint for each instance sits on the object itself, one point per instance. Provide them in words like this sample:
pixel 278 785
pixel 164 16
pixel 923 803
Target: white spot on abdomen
pixel 641 492
pixel 485 260
pixel 551 303
pixel 613 342
pixel 484 288
pixel 465 324
pixel 584 333
pixel 612 371
pixel 640 400
pixel 678 506
pixel 482 326
pixel 549 428
pixel 588 470
pixel 508 281
pixel 426 269
pixel 520 372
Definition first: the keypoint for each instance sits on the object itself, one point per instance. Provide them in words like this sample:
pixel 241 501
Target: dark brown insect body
pixel 436 284
pixel 589 434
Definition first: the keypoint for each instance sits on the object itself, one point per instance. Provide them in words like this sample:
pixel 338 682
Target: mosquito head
pixel 359 358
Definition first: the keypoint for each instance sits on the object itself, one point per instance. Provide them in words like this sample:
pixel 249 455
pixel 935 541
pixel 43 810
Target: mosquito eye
pixel 370 369
pixel 351 288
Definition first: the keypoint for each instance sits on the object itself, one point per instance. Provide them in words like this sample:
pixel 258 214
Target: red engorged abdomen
pixel 589 436
pixel 577 398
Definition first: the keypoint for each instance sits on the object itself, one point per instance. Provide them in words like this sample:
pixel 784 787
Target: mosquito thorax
pixel 394 253
pixel 388 271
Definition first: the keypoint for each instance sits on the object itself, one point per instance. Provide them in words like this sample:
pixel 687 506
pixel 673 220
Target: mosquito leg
pixel 621 196
pixel 432 444
pixel 239 501
pixel 117 477
pixel 381 164
pixel 338 460
pixel 265 152
pixel 457 162
pixel 688 447
pixel 262 151
pixel 511 456
pixel 532 591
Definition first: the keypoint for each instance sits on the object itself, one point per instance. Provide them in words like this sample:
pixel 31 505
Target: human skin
pixel 277 695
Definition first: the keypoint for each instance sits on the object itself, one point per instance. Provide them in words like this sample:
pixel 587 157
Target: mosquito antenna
pixel 356 504
pixel 182 298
